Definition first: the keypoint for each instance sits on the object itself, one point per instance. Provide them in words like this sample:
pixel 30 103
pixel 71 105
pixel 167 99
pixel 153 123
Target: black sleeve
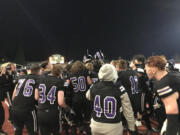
pixel 165 91
pixel 176 82
pixel 122 90
pixel 60 85
pixel 165 88
pixel 37 83
pixel 120 77
pixel 120 87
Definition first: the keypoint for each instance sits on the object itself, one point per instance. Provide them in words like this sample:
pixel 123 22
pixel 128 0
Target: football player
pixel 168 89
pixel 2 97
pixel 145 85
pixel 138 61
pixel 2 117
pixel 50 96
pixel 80 81
pixel 46 67
pixel 23 105
pixel 109 100
pixel 93 75
pixel 130 81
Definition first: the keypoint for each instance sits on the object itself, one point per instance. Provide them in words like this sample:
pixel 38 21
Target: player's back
pixel 129 80
pixel 80 105
pixel 24 97
pixel 48 89
pixel 79 83
pixel 105 94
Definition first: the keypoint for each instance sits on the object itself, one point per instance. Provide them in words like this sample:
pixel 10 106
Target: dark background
pixel 69 27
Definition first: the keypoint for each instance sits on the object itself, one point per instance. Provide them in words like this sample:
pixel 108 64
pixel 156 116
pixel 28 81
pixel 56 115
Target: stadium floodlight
pixel 56 58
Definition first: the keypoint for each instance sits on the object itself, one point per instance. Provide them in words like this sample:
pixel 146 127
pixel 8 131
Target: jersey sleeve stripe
pixel 165 92
pixel 163 89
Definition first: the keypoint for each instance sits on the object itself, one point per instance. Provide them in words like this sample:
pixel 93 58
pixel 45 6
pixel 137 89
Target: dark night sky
pixel 69 27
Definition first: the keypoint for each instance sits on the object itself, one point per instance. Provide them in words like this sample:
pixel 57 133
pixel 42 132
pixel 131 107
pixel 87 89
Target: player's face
pixel 40 72
pixel 117 68
pixel 132 65
pixel 13 67
pixel 151 71
pixel 112 63
pixel 49 66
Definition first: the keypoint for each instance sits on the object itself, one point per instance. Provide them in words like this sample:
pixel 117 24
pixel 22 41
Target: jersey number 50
pixel 79 84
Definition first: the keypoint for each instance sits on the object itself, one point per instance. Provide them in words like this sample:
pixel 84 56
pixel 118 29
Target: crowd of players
pixel 92 96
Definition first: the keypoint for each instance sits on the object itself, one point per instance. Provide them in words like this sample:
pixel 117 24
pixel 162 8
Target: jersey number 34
pixel 51 95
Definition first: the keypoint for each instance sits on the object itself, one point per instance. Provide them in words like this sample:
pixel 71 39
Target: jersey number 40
pixel 109 107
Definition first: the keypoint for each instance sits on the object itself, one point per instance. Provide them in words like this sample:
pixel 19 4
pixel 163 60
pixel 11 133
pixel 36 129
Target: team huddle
pixel 96 97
